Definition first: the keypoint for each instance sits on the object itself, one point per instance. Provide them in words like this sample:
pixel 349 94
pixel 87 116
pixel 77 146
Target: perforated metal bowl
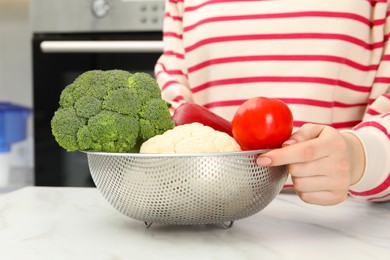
pixel 186 189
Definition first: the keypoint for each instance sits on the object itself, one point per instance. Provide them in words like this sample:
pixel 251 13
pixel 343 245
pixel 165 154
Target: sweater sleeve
pixel 170 69
pixel 374 133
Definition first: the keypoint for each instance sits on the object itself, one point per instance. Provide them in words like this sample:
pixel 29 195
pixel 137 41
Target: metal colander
pixel 186 189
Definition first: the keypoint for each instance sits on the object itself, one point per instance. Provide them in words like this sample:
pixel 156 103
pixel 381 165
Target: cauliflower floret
pixel 191 138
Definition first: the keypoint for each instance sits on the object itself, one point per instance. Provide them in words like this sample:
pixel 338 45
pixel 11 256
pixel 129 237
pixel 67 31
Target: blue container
pixel 13 120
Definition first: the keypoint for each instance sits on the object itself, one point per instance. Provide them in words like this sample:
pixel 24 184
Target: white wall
pixel 15 52
pixel 15 66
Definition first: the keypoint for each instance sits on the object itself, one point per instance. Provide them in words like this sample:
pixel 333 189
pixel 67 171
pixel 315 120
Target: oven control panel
pixel 151 13
pixel 145 13
pixel 96 15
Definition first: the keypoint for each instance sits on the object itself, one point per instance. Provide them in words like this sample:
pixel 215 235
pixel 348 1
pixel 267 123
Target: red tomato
pixel 262 123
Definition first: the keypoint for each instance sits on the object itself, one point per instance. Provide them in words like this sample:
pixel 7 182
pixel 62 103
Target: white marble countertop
pixel 77 223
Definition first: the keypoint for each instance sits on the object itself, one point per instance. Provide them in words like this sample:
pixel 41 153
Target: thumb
pixel 292 150
pixel 306 132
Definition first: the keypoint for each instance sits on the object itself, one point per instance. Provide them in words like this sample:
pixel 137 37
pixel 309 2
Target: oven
pixel 70 37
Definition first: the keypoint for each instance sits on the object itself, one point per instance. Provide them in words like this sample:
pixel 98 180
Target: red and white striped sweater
pixel 329 60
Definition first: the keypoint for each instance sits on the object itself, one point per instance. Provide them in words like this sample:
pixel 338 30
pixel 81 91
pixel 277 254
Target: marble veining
pixel 77 223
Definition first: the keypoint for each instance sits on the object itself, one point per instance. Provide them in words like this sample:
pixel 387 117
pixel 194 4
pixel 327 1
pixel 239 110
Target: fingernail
pixel 263 161
pixel 289 142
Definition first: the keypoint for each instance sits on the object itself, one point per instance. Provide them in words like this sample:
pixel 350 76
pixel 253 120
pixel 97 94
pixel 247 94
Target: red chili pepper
pixel 188 113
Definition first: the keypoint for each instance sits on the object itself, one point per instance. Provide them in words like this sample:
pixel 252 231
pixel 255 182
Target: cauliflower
pixel 191 138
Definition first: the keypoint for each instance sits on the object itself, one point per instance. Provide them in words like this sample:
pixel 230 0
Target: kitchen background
pixel 39 44
pixel 16 81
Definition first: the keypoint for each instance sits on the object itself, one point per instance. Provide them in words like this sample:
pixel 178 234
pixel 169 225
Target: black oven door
pixel 57 60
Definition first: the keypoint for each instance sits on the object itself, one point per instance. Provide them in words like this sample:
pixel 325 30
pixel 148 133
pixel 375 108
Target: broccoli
pixel 110 111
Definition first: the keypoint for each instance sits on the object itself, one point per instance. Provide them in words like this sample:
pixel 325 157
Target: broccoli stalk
pixel 110 111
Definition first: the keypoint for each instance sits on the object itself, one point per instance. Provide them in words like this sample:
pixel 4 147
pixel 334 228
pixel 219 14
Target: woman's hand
pixel 323 163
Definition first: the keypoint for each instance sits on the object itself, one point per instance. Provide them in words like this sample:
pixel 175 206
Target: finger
pixel 311 143
pixel 306 132
pixel 324 198
pixel 319 183
pixel 321 166
pixel 298 153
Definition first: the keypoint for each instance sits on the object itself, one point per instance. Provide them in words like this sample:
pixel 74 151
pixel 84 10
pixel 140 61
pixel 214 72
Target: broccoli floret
pixel 84 139
pixel 128 130
pixel 155 118
pixel 117 79
pixel 87 106
pixel 109 131
pixel 90 83
pixel 110 111
pixel 66 97
pixel 65 125
pixel 145 86
pixel 117 100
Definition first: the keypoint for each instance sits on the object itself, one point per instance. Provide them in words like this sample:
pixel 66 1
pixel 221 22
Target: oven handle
pixel 102 46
